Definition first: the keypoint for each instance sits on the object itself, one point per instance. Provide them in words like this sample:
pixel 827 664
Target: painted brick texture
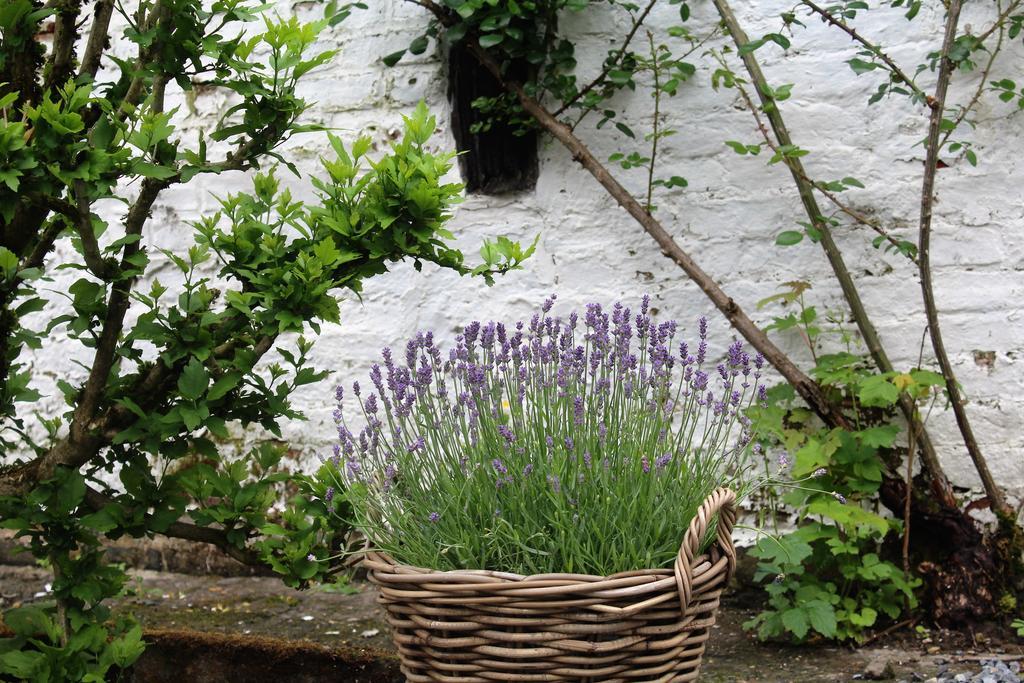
pixel 590 250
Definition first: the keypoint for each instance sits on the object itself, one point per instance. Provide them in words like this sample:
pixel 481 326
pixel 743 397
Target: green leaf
pixel 859 66
pixel 795 621
pixel 8 262
pixel 144 168
pixel 491 39
pixel 22 664
pixel 788 238
pixel 126 649
pixel 883 436
pixel 878 391
pixel 822 617
pixel 737 146
pixel 865 618
pixel 193 380
pixel 393 58
pixel 419 45
pixel 223 385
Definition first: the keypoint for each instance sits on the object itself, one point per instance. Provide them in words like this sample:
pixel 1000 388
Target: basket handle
pixel 723 502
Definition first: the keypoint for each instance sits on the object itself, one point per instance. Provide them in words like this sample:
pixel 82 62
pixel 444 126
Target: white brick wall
pixel 727 218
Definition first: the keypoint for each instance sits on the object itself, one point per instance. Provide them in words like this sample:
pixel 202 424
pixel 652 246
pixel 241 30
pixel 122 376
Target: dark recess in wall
pixel 494 161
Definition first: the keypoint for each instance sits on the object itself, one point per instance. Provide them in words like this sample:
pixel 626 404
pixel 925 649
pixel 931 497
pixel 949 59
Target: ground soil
pixel 238 629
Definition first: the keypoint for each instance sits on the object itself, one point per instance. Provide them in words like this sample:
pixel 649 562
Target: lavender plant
pixel 556 445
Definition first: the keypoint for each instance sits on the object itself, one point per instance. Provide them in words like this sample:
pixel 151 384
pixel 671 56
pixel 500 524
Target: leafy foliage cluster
pixel 836 574
pixel 172 373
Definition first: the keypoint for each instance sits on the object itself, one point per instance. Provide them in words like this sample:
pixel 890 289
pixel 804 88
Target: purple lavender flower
pixel 506 433
pixel 501 380
pixel 311 557
pixel 329 494
pixel 434 517
pixel 840 497
pixel 339 393
pixel 784 460
pixel 352 468
pixel 700 380
pixel 820 472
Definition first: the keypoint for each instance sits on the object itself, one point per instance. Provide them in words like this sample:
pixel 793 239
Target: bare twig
pixel 656 68
pixel 911 433
pixel 993 492
pixel 893 68
pixel 891 629
pixel 113 322
pixel 939 480
pixel 43 245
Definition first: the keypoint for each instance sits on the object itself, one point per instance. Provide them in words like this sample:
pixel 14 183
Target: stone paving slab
pixel 349 621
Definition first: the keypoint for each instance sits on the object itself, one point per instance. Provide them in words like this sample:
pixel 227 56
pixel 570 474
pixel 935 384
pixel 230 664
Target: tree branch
pixel 187 531
pixel 90 247
pixel 993 492
pixel 893 68
pixel 58 67
pixel 805 189
pixel 98 36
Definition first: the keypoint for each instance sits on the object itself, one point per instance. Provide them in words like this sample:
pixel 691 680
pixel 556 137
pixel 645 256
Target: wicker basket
pixel 646 625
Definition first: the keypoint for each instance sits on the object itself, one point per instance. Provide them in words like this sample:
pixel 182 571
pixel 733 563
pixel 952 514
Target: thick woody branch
pixel 58 67
pixel 90 247
pixel 805 189
pixel 995 495
pixel 98 36
pixel 189 532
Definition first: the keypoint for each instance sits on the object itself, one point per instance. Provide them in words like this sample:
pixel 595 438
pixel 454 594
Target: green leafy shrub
pixel 144 443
